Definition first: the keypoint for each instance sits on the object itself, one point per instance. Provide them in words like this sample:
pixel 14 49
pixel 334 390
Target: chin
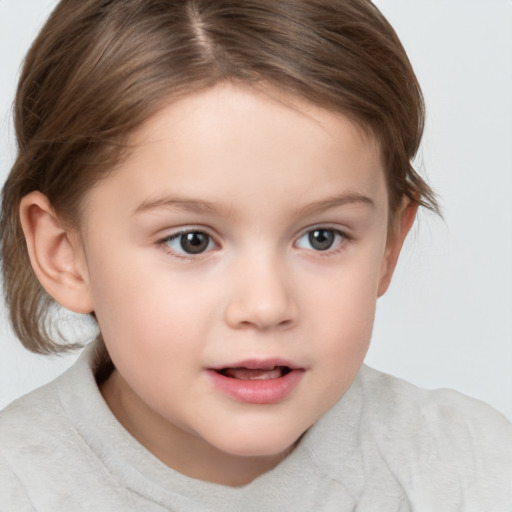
pixel 260 445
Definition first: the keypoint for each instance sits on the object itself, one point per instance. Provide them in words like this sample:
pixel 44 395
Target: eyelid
pixel 182 230
pixel 170 232
pixel 345 238
pixel 344 231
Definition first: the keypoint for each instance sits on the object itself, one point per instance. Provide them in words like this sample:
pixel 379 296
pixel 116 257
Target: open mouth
pixel 257 381
pixel 242 373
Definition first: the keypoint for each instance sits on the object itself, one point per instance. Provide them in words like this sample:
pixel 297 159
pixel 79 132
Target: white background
pixel 447 319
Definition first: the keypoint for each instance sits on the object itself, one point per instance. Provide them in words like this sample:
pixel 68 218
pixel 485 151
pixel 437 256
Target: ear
pixel 403 223
pixel 55 254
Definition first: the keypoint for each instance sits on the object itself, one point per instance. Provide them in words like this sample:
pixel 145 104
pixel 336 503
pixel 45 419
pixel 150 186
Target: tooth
pixel 253 374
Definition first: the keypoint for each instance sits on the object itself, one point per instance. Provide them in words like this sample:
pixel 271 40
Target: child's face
pixel 241 232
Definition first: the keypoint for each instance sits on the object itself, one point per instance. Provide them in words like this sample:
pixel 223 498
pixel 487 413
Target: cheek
pixel 346 293
pixel 346 324
pixel 343 305
pixel 147 312
pixel 343 340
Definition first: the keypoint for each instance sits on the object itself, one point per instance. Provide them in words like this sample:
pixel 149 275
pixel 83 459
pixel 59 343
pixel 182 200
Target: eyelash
pixel 342 240
pixel 177 236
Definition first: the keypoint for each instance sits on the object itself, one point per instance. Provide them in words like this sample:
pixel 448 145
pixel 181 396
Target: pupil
pixel 321 239
pixel 194 242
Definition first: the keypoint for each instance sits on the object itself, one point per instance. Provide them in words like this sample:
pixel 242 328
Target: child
pixel 225 187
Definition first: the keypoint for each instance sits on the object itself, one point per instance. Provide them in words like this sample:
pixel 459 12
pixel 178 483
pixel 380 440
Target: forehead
pixel 241 142
pixel 265 103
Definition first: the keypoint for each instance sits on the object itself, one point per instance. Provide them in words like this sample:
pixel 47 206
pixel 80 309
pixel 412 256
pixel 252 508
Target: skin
pixel 256 173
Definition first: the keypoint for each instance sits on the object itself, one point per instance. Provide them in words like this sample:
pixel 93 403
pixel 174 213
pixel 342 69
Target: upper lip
pixel 258 364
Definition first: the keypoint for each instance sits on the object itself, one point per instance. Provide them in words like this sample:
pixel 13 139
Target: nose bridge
pixel 261 294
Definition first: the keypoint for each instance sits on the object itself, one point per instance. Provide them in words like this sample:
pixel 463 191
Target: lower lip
pixel 259 391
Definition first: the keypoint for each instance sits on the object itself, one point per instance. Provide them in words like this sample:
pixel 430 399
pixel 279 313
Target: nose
pixel 261 297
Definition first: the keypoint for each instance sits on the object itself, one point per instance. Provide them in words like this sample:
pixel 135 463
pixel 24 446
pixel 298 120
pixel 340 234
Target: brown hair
pixel 99 68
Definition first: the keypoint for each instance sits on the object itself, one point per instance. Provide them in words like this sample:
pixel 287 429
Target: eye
pixel 189 242
pixel 320 239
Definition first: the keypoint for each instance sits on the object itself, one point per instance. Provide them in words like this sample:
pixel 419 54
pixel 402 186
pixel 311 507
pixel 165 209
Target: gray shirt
pixel 385 446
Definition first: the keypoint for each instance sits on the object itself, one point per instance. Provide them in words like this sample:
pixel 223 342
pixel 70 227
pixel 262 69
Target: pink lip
pixel 264 391
pixel 257 364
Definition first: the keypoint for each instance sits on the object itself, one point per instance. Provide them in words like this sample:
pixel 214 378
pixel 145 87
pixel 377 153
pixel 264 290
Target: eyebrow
pixel 334 202
pixel 202 206
pixel 190 205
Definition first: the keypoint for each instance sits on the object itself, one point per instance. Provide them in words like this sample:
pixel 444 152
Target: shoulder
pixel 439 440
pixel 38 422
pixel 30 420
pixel 45 462
pixel 440 412
pixel 30 430
pixel 39 416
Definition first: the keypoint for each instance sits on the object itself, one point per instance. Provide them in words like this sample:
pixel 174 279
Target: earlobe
pixel 56 258
pixel 405 220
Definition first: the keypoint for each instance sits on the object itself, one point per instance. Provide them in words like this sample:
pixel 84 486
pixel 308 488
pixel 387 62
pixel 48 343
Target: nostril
pixel 262 311
pixel 263 326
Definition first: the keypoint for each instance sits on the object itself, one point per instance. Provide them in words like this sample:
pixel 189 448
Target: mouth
pixel 244 373
pixel 257 381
